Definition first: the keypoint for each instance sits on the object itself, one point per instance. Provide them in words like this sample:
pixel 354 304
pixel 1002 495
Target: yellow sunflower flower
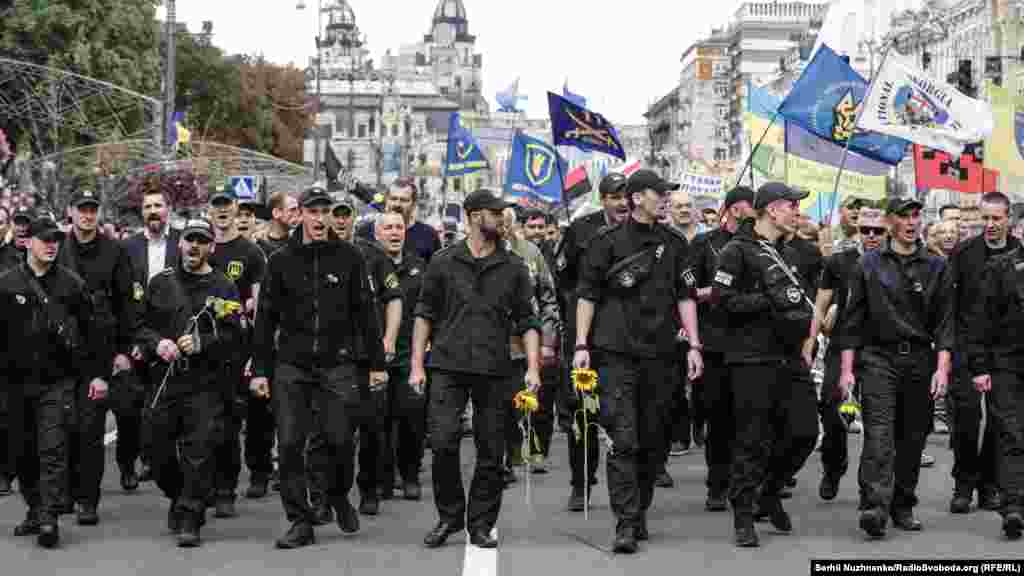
pixel 526 401
pixel 584 380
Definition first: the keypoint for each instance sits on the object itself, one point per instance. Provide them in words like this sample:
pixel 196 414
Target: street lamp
pixel 316 125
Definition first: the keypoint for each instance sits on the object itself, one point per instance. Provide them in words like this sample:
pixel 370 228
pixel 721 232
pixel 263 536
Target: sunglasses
pixel 871 231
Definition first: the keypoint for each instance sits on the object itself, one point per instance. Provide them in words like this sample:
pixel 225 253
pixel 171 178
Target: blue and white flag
pixel 909 103
pixel 535 170
pixel 464 153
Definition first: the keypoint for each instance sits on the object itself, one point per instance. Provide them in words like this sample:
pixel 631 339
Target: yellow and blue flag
pixel 825 100
pixel 464 153
pixel 573 125
pixel 535 170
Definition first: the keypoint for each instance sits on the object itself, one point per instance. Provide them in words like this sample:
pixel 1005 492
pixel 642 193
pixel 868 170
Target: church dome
pixel 449 11
pixel 450 23
pixel 340 15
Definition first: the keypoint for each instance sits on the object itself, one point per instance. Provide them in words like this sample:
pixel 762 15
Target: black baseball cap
pixel 901 205
pixel 343 201
pixel 854 202
pixel 315 195
pixel 223 193
pixel 775 191
pixel 612 183
pixel 198 226
pixel 85 196
pixel 484 199
pixel 44 227
pixel 737 195
pixel 644 179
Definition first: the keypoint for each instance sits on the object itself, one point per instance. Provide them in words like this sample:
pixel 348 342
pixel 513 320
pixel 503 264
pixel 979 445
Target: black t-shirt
pixel 242 262
pixel 836 277
pixel 270 245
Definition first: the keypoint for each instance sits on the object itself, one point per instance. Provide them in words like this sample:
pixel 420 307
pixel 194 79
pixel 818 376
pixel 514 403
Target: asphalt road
pixel 536 537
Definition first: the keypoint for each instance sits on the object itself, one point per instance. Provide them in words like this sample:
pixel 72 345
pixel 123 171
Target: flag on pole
pixel 574 98
pixel 825 100
pixel 577 183
pixel 534 170
pixel 573 125
pixel 910 103
pixel 464 153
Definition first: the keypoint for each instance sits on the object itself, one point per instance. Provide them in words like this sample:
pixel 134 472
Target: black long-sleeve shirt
pixel 992 324
pixel 317 294
pixel 900 298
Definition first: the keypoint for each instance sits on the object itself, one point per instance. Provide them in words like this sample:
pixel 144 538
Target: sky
pixel 621 56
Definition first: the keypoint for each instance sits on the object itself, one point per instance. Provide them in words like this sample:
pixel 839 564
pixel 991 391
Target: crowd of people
pixel 294 329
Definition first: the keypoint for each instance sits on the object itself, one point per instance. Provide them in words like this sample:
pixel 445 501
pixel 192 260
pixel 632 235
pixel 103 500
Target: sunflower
pixel 584 379
pixel 526 401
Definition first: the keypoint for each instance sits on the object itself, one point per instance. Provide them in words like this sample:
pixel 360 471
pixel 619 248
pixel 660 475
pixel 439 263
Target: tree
pixel 111 40
pixel 242 101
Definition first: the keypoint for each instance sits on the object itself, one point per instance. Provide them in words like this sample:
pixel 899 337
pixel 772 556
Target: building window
pixel 394 129
pixel 373 125
pixel 362 130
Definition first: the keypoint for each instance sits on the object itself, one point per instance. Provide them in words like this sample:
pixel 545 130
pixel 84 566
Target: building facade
pixel 705 90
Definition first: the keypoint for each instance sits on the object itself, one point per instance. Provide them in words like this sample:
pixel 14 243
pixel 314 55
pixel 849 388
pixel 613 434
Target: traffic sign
pixel 245 187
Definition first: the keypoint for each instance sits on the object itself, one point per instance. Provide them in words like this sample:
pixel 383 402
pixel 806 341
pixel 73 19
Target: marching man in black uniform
pixel 713 325
pixel 995 354
pixel 632 285
pixel 569 254
pixel 193 321
pixel 476 295
pixel 899 312
pixel 105 266
pixel 46 311
pixel 316 294
pixel 769 322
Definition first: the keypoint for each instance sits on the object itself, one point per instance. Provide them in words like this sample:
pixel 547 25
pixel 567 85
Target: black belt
pixel 907 347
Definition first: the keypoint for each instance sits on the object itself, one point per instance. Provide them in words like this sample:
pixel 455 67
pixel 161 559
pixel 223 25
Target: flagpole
pixel 750 157
pixel 853 131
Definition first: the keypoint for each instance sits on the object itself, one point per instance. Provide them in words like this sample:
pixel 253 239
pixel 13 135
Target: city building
pixel 761 36
pixel 663 121
pixel 704 135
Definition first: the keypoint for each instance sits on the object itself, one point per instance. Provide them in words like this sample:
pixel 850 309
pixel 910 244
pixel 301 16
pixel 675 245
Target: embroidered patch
pixel 21 299
pixel 332 279
pixel 689 278
pixel 235 270
pixel 414 272
pixel 659 252
pixel 137 291
pixel 627 279
pixel 391 281
pixel 723 278
pixel 793 294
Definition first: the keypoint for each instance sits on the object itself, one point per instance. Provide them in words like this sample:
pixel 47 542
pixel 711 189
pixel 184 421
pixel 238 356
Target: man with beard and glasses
pixel 975 470
pixel 476 295
pixel 47 314
pixel 406 410
pixel 401 197
pixel 830 304
pixel 152 250
pixel 243 263
pixel 715 383
pixel 569 255
pixel 633 293
pixel 104 264
pixel 284 216
pixel 318 297
pixel 899 316
pixel 192 321
pixel 769 320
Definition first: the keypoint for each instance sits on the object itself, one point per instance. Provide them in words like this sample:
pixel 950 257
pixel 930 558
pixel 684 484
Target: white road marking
pixel 480 561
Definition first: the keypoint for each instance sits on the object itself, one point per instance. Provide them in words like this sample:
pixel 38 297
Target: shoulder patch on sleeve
pixel 723 278
pixel 137 291
pixel 391 281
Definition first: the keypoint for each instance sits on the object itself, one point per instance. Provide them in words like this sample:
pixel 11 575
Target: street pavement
pixel 536 537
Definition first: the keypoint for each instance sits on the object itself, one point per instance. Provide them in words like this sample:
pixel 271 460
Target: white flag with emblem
pixel 908 103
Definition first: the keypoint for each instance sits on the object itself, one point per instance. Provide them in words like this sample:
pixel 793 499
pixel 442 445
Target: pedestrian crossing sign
pixel 244 187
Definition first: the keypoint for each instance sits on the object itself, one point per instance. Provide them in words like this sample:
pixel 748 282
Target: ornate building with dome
pixel 390 121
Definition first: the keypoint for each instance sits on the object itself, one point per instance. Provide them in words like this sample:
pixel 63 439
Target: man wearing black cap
pixel 105 265
pixel 632 289
pixel 316 296
pixel 568 259
pixel 475 296
pixel 769 319
pixel 13 253
pixel 243 262
pixel 899 312
pixel 47 312
pixel 714 323
pixel 192 320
